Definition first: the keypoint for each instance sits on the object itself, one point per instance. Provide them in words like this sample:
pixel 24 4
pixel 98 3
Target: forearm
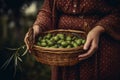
pixel 43 20
pixel 44 16
pixel 111 24
pixel 100 29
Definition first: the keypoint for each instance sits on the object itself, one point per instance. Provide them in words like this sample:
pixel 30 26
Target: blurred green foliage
pixel 16 16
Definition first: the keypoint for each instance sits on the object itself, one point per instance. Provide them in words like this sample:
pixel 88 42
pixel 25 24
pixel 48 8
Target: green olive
pixel 40 38
pixel 59 41
pixel 64 44
pixel 75 45
pixel 43 40
pixel 83 41
pixel 69 42
pixel 56 38
pixel 74 37
pixel 38 43
pixel 50 43
pixel 61 36
pixel 52 38
pixel 47 46
pixel 78 41
pixel 69 46
pixel 48 36
pixel 68 38
pixel 54 46
pixel 43 44
pixel 60 47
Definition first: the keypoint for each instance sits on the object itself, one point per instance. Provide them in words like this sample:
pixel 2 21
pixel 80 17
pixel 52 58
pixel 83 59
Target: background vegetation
pixel 16 16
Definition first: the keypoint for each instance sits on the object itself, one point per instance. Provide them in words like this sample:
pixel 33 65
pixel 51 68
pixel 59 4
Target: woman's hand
pixel 36 31
pixel 92 41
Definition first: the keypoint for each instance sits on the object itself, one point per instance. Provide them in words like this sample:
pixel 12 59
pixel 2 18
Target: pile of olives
pixel 60 40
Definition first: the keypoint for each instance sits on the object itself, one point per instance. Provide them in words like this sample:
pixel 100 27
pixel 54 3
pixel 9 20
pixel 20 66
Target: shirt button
pixel 74 11
pixel 75 5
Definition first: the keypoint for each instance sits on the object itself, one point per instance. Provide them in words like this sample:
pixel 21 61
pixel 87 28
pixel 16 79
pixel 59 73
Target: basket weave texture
pixel 59 56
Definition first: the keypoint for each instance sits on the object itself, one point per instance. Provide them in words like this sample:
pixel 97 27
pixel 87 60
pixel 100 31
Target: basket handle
pixel 30 38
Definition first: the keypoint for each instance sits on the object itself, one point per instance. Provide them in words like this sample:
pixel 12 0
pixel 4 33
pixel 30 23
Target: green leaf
pixel 25 52
pixel 5 65
pixel 12 49
pixel 20 59
pixel 16 60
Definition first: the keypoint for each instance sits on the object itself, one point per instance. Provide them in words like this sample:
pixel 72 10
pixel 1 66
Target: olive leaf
pixel 25 52
pixel 7 62
pixel 16 56
pixel 20 59
pixel 12 49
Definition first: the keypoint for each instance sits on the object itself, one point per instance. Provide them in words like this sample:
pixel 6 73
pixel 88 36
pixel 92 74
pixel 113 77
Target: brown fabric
pixel 85 15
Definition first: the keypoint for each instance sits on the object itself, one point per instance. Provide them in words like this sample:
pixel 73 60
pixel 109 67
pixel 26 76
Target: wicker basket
pixel 58 56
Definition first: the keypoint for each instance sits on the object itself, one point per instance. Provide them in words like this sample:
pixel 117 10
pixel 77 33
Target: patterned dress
pixel 85 15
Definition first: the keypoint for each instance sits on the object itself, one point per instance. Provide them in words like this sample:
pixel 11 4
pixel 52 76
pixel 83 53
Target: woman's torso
pixel 81 14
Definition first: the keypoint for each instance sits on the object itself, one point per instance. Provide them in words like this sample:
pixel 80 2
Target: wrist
pixel 37 28
pixel 100 29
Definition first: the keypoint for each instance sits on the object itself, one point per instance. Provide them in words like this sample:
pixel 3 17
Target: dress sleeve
pixel 111 23
pixel 44 16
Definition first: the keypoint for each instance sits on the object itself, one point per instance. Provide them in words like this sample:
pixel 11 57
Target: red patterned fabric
pixel 85 15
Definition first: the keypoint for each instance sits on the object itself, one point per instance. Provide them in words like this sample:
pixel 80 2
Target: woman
pixel 101 20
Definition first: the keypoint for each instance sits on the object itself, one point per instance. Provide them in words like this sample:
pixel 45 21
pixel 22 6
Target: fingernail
pixel 79 56
pixel 85 48
pixel 80 59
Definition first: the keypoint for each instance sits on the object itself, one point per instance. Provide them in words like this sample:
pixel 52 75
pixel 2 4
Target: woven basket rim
pixel 59 50
pixel 65 30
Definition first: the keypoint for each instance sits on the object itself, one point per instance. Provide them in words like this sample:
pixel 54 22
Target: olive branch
pixel 16 57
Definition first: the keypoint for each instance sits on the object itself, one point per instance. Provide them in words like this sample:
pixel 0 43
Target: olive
pixel 52 38
pixel 78 41
pixel 50 43
pixel 43 44
pixel 43 40
pixel 54 46
pixel 61 36
pixel 59 41
pixel 60 47
pixel 83 41
pixel 69 46
pixel 38 43
pixel 69 42
pixel 68 38
pixel 64 44
pixel 75 45
pixel 40 38
pixel 74 37
pixel 48 36
pixel 55 38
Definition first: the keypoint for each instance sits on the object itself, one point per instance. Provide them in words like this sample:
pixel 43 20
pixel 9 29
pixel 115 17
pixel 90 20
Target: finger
pixel 80 59
pixel 28 47
pixel 90 52
pixel 25 37
pixel 35 33
pixel 87 44
pixel 25 40
pixel 86 55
